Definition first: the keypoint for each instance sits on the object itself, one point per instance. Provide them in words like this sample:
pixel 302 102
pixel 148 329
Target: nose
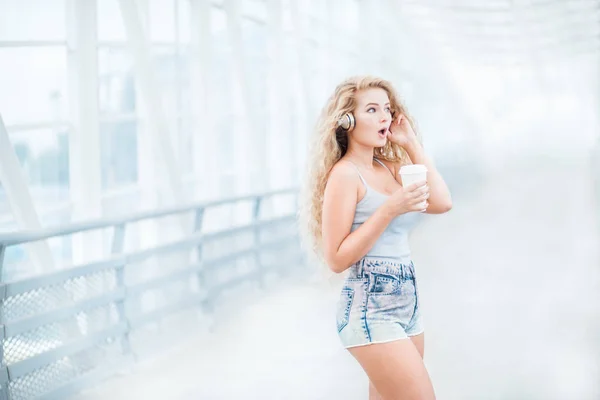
pixel 385 117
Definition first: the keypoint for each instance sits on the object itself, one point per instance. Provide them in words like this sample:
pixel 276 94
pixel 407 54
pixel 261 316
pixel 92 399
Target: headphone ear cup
pixel 352 121
pixel 347 122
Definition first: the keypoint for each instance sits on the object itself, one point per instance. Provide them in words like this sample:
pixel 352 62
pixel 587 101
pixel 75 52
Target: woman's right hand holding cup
pixel 413 198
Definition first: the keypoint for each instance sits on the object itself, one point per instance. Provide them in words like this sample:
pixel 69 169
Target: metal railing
pixel 65 330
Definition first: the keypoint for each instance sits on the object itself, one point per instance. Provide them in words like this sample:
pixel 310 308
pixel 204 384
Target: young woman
pixel 358 216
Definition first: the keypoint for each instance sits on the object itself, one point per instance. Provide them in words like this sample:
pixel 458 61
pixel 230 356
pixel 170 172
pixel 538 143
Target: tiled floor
pixel 511 295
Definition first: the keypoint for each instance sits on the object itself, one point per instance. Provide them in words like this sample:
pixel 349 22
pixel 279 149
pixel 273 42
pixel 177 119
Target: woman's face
pixel 373 117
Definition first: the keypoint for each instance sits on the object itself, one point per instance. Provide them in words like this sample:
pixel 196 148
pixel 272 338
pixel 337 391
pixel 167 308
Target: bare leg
pixel 419 342
pixel 396 370
pixel 373 395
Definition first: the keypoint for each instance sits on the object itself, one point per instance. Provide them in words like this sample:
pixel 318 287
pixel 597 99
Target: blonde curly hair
pixel 330 143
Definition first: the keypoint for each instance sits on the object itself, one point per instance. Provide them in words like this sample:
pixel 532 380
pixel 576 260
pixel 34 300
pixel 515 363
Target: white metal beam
pixel 159 173
pixel 277 97
pixel 31 43
pixel 14 183
pixel 85 179
pixel 205 141
pixel 303 106
pixel 41 125
pixel 156 123
pixel 327 52
pixel 246 137
pixel 148 170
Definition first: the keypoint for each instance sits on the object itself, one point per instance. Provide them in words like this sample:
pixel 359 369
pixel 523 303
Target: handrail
pixel 20 237
pixel 39 315
pixel 22 285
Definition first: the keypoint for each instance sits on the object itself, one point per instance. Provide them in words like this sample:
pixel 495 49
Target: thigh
pixel 396 370
pixel 419 342
pixel 373 395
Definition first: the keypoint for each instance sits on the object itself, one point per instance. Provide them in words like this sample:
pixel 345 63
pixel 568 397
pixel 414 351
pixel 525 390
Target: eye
pixel 371 108
pixel 389 110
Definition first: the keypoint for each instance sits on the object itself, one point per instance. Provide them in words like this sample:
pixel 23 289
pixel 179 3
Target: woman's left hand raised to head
pixel 401 132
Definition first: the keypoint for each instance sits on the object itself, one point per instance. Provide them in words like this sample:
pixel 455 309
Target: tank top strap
pixel 379 161
pixel 385 166
pixel 359 175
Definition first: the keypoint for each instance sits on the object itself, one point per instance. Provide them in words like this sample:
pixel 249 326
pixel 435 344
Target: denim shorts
pixel 379 302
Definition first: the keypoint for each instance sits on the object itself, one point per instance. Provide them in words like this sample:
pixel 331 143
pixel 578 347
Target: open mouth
pixel 382 132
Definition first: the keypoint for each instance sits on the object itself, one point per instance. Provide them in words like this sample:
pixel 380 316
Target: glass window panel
pixel 181 134
pixel 7 219
pixel 110 21
pixel 255 53
pixel 287 21
pixel 34 84
pixel 116 81
pixel 166 63
pixel 185 84
pixel 19 265
pixel 118 142
pixel 221 88
pixel 162 20
pixel 32 20
pixel 44 157
pixel 225 140
pixel 183 21
pixel 220 82
pixel 218 24
pixel 255 8
pixel 186 144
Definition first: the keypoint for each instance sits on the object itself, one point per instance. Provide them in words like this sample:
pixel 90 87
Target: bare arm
pixel 341 247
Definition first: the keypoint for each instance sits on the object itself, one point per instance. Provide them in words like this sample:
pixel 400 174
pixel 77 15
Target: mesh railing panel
pixel 146 319
pixel 65 370
pixel 49 298
pixel 48 337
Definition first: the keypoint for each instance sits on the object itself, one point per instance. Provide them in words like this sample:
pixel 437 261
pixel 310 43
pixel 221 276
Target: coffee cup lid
pixel 413 169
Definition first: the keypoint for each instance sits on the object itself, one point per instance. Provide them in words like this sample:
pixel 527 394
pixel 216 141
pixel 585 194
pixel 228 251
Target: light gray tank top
pixel 393 242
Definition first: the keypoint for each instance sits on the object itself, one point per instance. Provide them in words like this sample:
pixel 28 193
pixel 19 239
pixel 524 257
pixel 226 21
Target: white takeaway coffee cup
pixel 413 173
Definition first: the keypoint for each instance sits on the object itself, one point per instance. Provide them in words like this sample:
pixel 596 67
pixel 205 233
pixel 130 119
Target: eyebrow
pixel 375 104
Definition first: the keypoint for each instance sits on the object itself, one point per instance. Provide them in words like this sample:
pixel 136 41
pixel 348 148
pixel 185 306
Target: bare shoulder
pixel 343 171
pixel 339 201
pixel 343 179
